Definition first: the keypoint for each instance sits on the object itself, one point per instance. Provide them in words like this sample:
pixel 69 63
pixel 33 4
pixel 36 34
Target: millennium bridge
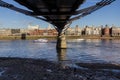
pixel 60 13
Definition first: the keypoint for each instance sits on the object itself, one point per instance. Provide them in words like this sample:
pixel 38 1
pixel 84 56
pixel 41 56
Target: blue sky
pixel 109 15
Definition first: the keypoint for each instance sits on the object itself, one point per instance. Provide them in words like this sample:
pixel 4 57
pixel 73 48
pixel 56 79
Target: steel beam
pixel 89 10
pixel 12 7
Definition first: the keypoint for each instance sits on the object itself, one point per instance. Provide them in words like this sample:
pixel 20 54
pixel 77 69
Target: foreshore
pixel 55 37
pixel 36 69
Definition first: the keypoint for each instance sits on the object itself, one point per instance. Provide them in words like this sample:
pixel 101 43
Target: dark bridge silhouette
pixel 57 12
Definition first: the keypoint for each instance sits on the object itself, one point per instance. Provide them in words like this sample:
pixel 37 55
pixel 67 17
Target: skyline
pixel 107 15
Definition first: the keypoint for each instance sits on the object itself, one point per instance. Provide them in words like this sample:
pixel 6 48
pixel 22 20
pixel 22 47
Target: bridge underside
pixel 57 12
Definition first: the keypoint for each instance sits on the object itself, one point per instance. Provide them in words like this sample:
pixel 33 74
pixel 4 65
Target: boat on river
pixel 41 40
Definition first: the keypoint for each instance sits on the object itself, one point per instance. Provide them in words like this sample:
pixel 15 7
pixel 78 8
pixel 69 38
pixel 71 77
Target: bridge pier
pixel 61 41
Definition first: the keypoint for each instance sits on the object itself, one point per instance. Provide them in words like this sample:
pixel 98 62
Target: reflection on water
pixel 78 51
pixel 61 54
pixel 64 63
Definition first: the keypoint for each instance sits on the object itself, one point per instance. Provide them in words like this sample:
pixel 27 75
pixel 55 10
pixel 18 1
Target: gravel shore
pixel 32 69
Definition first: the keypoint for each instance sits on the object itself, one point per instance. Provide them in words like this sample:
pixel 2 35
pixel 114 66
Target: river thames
pixel 85 51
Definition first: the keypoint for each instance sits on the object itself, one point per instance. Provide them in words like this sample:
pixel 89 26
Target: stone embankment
pixel 55 37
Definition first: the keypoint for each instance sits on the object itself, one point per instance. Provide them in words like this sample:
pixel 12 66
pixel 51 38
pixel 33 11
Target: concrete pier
pixel 61 41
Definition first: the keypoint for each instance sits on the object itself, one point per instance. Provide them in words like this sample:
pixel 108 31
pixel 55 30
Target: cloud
pixel 16 12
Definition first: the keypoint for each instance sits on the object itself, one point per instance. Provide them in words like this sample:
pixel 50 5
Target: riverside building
pixel 106 31
pixel 75 31
pixel 115 31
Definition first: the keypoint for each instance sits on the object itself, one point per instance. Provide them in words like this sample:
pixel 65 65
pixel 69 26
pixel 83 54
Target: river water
pixel 89 50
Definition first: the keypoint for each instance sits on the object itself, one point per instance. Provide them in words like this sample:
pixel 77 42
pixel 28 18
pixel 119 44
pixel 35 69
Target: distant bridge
pixel 57 12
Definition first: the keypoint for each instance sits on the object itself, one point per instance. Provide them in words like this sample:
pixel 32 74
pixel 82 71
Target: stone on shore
pixel 31 69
